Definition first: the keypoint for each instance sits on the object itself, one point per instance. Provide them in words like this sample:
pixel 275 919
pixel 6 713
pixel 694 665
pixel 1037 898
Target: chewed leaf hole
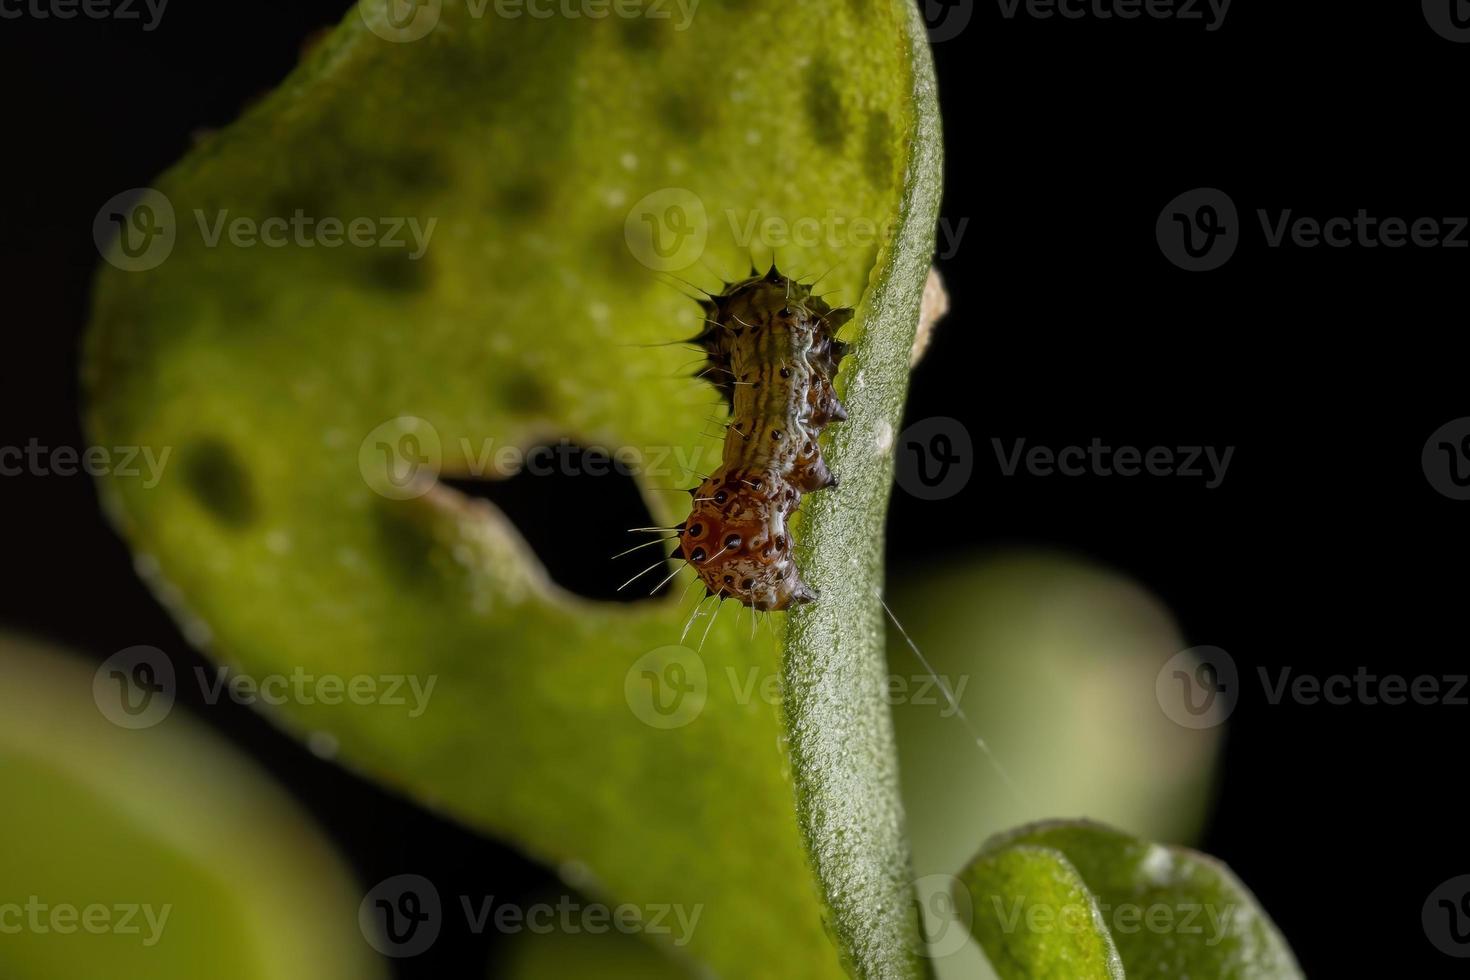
pixel 574 506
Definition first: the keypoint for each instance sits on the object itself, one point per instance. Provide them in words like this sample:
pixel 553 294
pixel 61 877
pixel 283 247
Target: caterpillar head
pixel 736 539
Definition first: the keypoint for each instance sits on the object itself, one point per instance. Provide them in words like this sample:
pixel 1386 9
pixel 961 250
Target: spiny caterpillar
pixel 773 354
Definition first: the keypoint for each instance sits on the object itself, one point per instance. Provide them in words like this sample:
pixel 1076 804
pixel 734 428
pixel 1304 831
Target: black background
pixel 1325 548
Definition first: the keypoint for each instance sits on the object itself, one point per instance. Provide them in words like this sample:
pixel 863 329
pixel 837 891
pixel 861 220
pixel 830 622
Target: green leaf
pixel 139 854
pixel 1171 912
pixel 288 383
pixel 1038 921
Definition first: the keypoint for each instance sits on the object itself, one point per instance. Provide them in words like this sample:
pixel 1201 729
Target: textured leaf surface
pixel 548 152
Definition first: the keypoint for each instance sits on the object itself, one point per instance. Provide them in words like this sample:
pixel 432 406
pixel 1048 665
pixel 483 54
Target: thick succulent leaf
pixel 1038 921
pixel 1171 912
pixel 548 153
pixel 164 849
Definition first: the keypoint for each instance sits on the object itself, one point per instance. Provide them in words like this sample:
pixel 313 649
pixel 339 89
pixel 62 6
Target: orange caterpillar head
pixel 736 539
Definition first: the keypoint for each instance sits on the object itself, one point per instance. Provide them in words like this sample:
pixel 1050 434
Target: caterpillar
pixel 772 352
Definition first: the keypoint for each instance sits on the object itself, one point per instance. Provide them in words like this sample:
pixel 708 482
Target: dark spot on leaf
pixel 878 149
pixel 407 541
pixel 526 393
pixel 683 114
pixel 220 482
pixel 824 104
pixel 523 199
pixel 393 269
pixel 643 34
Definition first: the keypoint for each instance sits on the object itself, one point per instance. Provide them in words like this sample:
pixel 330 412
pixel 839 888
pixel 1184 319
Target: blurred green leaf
pixel 142 854
pixel 1171 912
pixel 288 384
